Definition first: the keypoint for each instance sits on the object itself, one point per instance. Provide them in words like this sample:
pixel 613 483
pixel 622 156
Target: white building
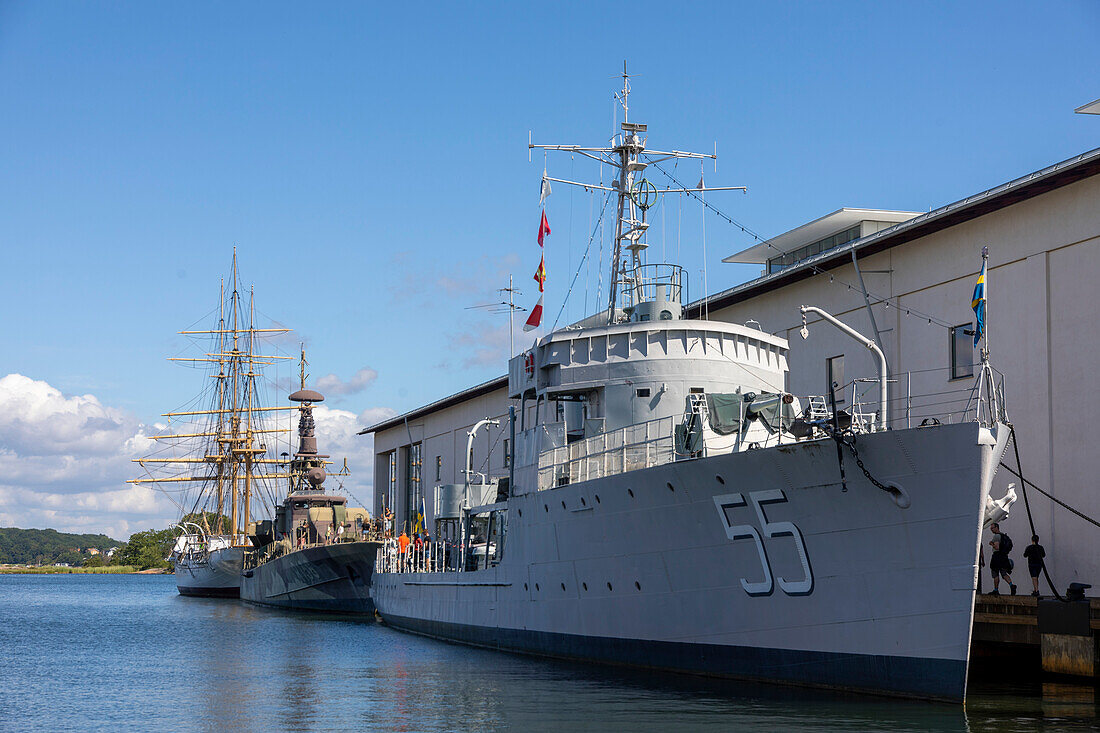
pixel 919 271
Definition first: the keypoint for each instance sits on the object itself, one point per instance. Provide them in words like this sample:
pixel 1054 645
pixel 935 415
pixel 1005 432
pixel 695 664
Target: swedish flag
pixel 978 304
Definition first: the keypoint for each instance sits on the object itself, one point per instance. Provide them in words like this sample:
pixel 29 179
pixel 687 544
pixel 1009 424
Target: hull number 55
pixel 771 530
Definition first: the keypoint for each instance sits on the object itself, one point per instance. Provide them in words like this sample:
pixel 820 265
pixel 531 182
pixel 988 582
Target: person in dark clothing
pixel 1034 554
pixel 999 563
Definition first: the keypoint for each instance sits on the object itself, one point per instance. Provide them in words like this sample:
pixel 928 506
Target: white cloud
pixel 337 436
pixel 330 384
pixel 484 346
pixel 65 459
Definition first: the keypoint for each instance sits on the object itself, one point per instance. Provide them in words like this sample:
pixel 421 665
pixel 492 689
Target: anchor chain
pixel 851 445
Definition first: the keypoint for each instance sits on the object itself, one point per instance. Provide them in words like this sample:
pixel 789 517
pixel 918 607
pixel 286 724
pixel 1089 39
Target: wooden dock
pixel 1006 632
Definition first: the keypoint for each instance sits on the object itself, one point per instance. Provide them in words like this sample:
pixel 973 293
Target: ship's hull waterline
pixel 217 575
pixel 332 578
pixel 749 565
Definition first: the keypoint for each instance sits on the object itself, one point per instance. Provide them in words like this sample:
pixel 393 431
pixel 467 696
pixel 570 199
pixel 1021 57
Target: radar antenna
pixel 629 156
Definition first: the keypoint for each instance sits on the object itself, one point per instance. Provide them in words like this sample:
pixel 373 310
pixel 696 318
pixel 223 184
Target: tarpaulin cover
pixel 725 412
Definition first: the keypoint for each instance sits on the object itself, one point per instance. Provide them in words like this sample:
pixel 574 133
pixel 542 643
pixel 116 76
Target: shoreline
pixel 51 570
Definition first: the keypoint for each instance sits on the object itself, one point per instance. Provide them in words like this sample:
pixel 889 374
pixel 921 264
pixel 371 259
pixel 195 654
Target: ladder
pixel 817 409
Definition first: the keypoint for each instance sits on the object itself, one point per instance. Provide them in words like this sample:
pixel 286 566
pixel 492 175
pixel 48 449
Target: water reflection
pixel 110 652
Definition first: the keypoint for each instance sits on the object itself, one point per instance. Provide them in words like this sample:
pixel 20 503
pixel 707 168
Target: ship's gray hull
pixel 752 565
pixel 334 578
pixel 215 575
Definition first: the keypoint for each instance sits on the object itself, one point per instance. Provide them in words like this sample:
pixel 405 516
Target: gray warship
pixel 316 554
pixel 686 513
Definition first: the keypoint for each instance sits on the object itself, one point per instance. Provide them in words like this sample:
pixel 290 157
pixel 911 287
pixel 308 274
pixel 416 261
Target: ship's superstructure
pixel 671 505
pixel 317 553
pixel 215 463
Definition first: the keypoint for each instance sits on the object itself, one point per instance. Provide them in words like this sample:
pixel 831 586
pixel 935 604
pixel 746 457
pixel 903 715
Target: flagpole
pixel 985 310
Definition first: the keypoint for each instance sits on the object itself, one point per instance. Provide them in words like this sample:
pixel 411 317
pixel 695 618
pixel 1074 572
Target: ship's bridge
pixel 612 376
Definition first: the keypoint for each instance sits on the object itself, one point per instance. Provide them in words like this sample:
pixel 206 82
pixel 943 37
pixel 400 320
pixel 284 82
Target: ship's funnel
pixel 307 440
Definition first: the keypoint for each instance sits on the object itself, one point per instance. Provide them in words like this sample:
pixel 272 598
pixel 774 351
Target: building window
pixel 507 452
pixel 391 489
pixel 438 467
pixel 962 351
pixel 412 485
pixel 643 391
pixel 775 264
pixel 834 377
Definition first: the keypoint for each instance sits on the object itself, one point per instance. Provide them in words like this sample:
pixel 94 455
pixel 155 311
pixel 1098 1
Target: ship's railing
pixel 632 448
pixel 920 397
pixel 274 550
pixel 435 556
pixel 641 283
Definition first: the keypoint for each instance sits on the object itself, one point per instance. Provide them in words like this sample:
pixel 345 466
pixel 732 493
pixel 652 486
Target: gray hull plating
pixel 754 564
pixel 334 578
pixel 217 575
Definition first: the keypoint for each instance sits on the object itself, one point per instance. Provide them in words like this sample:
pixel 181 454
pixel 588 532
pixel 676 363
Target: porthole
pixel 637 585
pixel 670 487
pixel 563 586
pixel 585 586
pixel 609 586
pixel 583 502
pixel 719 479
pixel 536 586
pixel 563 505
pixel 520 512
pixel 631 492
pixel 525 586
pixel 597 498
pixel 545 508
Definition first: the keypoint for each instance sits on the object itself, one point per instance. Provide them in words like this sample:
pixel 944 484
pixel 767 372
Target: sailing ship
pixel 690 514
pixel 317 553
pixel 214 463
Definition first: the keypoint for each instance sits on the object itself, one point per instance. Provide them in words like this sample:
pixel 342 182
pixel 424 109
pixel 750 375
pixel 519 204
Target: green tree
pixel 148 549
pixel 95 561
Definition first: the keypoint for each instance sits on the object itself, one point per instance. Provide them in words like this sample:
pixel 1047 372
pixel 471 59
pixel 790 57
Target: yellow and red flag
pixel 540 274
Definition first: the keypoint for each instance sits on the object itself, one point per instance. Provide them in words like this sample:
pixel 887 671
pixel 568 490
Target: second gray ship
pixel 316 554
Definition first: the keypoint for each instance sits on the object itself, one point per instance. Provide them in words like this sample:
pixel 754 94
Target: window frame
pixel 838 394
pixel 955 369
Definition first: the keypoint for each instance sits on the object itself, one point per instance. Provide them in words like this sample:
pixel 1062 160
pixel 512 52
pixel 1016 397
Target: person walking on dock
pixel 1035 554
pixel 1000 565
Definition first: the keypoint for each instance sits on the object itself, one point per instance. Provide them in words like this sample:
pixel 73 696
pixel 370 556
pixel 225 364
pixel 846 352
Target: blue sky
pixel 370 163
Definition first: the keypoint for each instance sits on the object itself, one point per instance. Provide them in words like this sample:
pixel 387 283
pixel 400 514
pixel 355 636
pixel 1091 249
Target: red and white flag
pixel 544 227
pixel 535 318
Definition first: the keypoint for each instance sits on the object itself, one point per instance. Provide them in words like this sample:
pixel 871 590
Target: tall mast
pixel 219 429
pixel 250 384
pixel 230 449
pixel 629 156
pixel 234 417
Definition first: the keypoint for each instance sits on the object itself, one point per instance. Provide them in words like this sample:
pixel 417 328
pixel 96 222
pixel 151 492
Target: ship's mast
pixel 629 157
pixel 232 424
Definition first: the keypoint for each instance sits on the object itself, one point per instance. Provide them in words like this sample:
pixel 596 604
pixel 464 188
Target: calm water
pixel 126 652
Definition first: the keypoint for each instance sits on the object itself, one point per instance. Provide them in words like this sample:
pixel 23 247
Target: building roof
pixel 815 230
pixel 457 398
pixel 1092 108
pixel 1054 176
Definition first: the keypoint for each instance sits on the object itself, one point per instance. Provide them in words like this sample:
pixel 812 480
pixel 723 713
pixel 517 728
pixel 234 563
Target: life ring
pixel 529 364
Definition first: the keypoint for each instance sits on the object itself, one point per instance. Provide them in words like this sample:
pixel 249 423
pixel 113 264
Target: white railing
pixel 426 557
pixel 632 448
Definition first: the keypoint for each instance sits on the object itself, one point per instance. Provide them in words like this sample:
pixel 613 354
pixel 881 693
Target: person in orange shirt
pixel 403 543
